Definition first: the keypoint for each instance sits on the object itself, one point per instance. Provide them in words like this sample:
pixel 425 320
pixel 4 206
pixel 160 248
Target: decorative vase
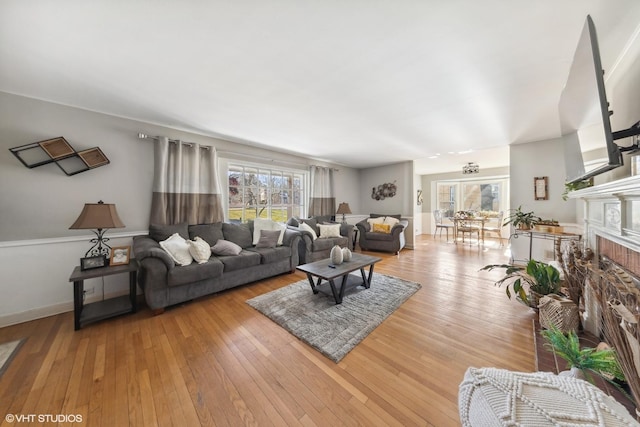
pixel 336 255
pixel 346 255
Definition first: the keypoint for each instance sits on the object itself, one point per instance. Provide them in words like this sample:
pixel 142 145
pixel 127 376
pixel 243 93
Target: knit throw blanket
pixel 497 397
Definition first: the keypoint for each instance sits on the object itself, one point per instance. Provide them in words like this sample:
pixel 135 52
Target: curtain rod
pixel 251 156
pixel 174 141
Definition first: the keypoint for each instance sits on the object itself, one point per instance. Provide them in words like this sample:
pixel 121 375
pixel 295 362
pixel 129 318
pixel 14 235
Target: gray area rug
pixel 334 330
pixel 7 351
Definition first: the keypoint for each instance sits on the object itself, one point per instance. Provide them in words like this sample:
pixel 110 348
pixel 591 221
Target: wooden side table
pixel 92 312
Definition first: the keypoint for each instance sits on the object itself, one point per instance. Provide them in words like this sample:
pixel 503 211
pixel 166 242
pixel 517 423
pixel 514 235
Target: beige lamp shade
pixel 343 208
pixel 97 215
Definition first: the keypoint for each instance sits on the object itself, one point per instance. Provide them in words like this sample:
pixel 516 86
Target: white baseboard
pixel 36 313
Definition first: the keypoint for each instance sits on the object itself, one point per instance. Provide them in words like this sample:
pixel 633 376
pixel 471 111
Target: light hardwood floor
pixel 217 361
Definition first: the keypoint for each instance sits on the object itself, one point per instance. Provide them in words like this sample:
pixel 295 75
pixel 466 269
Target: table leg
pixel 133 291
pixel 78 288
pixel 337 295
pixel 312 284
pixel 366 281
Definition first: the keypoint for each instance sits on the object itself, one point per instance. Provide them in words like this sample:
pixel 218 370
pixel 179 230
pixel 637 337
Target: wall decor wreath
pixel 383 191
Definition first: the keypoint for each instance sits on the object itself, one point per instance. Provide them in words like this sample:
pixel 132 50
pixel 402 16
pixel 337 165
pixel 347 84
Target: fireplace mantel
pixel 612 210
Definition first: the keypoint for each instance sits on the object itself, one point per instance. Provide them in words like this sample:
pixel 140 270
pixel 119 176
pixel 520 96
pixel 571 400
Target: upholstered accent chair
pixel 383 233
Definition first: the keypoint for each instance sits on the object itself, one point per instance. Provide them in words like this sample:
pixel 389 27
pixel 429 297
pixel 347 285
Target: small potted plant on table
pixel 521 220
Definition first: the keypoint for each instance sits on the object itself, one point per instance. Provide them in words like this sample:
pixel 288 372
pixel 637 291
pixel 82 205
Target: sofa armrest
pixel 290 234
pixel 146 247
pixel 363 226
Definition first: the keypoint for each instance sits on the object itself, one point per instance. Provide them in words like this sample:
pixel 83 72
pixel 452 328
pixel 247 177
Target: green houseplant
pixel 521 220
pixel 530 282
pixel 583 361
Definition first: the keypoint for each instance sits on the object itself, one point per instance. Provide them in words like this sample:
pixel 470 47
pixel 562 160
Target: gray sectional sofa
pixel 165 283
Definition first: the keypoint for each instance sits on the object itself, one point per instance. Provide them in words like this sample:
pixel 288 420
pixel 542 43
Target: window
pixel 256 192
pixel 481 197
pixel 447 199
pixel 472 195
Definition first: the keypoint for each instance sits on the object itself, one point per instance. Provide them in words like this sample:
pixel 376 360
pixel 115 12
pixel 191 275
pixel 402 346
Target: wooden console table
pixel 92 312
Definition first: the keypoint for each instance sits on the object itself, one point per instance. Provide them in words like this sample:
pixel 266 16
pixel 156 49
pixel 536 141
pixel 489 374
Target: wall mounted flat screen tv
pixel 584 112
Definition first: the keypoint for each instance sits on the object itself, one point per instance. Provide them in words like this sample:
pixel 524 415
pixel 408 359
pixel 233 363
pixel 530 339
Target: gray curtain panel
pixel 322 200
pixel 186 187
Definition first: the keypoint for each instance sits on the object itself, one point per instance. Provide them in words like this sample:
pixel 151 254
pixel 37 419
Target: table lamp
pixel 98 217
pixel 344 209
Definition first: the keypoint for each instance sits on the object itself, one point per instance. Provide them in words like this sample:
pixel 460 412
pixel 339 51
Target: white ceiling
pixel 356 82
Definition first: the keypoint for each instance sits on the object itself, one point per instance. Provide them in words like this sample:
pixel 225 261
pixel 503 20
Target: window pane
pixel 446 199
pixel 264 193
pixel 250 176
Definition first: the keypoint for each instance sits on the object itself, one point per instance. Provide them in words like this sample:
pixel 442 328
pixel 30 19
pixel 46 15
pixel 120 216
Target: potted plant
pixel 530 282
pixel 569 187
pixel 586 361
pixel 521 220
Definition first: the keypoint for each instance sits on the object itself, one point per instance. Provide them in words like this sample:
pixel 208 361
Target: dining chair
pixel 468 226
pixel 497 228
pixel 440 225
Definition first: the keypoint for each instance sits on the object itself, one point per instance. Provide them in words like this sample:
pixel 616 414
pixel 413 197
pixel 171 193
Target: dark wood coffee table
pixel 322 271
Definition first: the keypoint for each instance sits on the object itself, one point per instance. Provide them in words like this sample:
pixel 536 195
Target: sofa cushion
pixel 199 250
pixel 239 234
pixel 321 244
pixel 195 272
pixel 324 219
pixel 210 233
pixel 396 216
pixel 269 255
pixel 268 239
pixel 160 232
pixel 370 235
pixel 293 221
pixel 306 227
pixel 329 230
pixel 225 247
pixel 246 258
pixel 178 249
pixel 260 224
pixel 376 220
pixel 390 220
pixel 381 228
pixel 311 222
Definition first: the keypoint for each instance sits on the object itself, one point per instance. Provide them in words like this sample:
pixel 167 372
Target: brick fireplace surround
pixel 612 231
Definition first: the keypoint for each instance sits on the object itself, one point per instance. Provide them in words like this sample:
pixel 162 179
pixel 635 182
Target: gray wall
pixel 43 202
pixel 37 250
pixel 402 202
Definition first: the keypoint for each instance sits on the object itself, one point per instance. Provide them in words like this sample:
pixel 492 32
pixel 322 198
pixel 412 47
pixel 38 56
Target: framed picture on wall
pixel 541 187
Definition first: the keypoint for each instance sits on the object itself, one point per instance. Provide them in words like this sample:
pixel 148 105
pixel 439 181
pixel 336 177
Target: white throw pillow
pixel 199 250
pixel 329 230
pixel 266 224
pixel 178 249
pixel 391 221
pixel 307 227
pixel 378 220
